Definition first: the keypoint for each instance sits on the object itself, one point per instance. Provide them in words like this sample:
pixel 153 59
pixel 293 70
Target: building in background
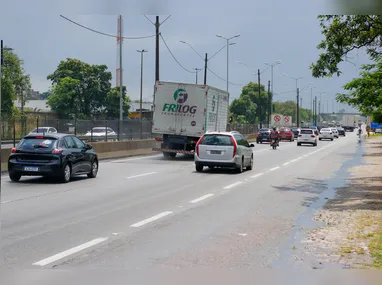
pixel 147 110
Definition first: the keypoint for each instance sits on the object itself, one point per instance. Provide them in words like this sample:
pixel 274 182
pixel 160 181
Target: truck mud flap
pixel 174 150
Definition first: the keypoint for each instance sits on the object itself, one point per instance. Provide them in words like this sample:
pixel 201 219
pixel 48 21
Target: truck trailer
pixel 184 112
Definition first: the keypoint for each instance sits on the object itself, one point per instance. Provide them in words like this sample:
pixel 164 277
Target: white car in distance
pixel 335 132
pixel 307 136
pixel 326 134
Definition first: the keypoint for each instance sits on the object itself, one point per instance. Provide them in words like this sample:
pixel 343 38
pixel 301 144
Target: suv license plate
pixel 216 152
pixel 31 168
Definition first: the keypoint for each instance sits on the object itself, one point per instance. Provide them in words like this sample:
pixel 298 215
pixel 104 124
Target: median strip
pixel 69 252
pixel 150 220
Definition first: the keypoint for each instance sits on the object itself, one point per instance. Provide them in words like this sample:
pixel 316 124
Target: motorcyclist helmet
pixel 274 128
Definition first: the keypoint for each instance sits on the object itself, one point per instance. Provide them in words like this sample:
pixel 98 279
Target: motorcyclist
pixel 275 135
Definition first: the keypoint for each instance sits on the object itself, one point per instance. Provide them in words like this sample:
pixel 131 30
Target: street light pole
pixel 141 92
pixel 272 84
pixel 228 39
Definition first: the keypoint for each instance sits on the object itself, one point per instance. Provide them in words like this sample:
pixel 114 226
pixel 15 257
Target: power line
pixel 221 78
pixel 174 56
pixel 105 34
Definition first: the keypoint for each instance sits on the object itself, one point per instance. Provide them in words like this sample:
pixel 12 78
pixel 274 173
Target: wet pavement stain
pixel 290 256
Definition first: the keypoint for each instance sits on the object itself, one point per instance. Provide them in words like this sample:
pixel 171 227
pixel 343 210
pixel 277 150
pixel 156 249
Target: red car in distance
pixel 286 134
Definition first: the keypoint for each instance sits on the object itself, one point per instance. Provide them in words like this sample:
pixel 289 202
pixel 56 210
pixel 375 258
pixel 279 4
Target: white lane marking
pixel 286 163
pixel 274 168
pixel 152 219
pixel 232 185
pixel 68 252
pixel 140 175
pixel 132 159
pixel 257 175
pixel 201 198
pixel 6 202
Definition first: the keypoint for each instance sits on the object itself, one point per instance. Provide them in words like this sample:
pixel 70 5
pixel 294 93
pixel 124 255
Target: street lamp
pixel 228 39
pixel 271 65
pixel 141 91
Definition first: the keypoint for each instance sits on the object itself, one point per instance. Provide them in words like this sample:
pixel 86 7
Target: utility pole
pixel 269 103
pixel 311 101
pixel 300 102
pixel 1 79
pixel 205 69
pixel 119 40
pixel 157 25
pixel 319 109
pixel 298 108
pixel 315 110
pixel 258 80
pixel 141 93
pixel 196 74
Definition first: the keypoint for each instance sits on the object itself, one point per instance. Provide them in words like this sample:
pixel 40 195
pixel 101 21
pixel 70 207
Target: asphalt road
pixel 148 212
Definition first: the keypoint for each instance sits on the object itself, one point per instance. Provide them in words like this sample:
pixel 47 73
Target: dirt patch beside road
pixel 352 235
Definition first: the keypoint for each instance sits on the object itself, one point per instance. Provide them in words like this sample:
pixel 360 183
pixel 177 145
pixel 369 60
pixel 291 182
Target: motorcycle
pixel 274 143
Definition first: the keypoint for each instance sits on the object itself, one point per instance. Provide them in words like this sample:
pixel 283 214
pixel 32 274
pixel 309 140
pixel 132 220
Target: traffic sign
pixel 286 119
pixel 277 118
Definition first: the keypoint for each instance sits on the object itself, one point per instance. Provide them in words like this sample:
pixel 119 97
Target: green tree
pixel 248 104
pixel 243 110
pixel 14 81
pixel 81 90
pixel 365 92
pixel 112 103
pixel 288 108
pixel 343 34
pixel 45 95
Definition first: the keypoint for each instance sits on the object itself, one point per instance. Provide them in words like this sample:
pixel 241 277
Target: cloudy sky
pixel 270 30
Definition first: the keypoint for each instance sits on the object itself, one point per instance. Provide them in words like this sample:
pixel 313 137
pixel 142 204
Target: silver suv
pixel 223 149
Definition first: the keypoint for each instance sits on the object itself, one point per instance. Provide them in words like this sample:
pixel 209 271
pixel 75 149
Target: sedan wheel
pixel 250 166
pixel 94 170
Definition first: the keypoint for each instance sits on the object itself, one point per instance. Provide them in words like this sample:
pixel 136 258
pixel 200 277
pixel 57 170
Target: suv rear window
pixel 37 143
pixel 264 130
pixel 306 132
pixel 216 140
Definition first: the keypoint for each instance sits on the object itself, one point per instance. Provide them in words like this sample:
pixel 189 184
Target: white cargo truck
pixel 184 112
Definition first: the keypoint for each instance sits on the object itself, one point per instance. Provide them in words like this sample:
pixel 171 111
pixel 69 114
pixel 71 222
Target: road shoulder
pixel 351 235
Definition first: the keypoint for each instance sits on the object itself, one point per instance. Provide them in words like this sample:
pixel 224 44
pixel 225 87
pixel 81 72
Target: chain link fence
pixel 92 130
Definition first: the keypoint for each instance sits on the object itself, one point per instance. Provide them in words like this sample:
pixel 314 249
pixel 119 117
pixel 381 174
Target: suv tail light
pixel 57 151
pixel 258 134
pixel 234 147
pixel 13 150
pixel 300 135
pixel 197 145
pixel 312 136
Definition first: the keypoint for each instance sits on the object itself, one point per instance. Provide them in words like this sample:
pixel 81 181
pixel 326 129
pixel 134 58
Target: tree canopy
pixel 80 90
pixel 365 92
pixel 343 34
pixel 245 109
pixel 289 108
pixel 15 81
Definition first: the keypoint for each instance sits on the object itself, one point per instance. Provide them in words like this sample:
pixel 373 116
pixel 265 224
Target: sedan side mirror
pixel 88 146
pixel 251 145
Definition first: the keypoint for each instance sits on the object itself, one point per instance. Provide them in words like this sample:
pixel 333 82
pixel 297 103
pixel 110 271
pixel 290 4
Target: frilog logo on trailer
pixel 180 97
